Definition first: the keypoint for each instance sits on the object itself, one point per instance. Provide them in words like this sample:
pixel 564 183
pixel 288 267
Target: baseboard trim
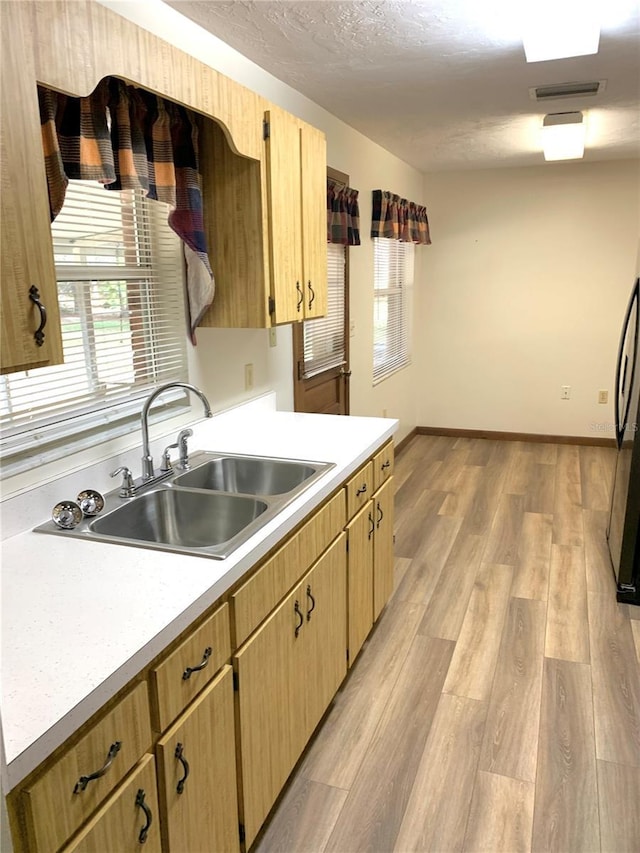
pixel 402 445
pixel 495 435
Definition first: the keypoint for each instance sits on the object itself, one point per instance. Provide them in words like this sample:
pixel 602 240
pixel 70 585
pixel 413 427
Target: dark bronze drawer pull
pixel 313 602
pixel 83 781
pixel 313 294
pixel 298 612
pixel 300 295
pixel 361 490
pixel 380 514
pixel 205 660
pixel 373 526
pixel 386 465
pixel 179 754
pixel 34 296
pixel 147 813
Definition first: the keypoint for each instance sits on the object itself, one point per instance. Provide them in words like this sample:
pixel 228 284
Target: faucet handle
pixel 127 488
pixel 166 465
pixel 183 435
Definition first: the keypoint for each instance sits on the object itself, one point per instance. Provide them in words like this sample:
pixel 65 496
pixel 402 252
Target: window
pixel 324 345
pixel 120 289
pixel 392 287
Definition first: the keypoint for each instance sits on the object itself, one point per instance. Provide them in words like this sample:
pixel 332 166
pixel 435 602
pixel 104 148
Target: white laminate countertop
pixel 81 618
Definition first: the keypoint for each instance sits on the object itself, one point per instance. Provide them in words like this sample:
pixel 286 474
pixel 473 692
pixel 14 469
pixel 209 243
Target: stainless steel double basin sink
pixel 209 510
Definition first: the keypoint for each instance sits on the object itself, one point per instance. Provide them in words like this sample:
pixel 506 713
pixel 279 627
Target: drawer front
pixel 118 824
pixel 359 489
pixel 53 811
pixel 267 587
pixel 382 465
pixel 179 678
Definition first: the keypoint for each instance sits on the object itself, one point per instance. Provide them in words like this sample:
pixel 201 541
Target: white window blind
pixel 120 287
pixel 324 343
pixel 392 290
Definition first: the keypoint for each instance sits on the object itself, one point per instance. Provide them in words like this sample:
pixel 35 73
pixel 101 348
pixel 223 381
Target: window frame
pixel 398 295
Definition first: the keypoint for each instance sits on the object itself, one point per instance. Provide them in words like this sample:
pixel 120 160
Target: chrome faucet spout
pixel 147 458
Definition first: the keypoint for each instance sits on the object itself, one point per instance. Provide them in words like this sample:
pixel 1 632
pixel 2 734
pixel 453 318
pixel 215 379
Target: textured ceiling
pixel 433 82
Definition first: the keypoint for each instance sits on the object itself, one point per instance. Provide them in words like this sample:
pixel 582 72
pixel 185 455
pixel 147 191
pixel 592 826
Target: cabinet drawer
pixel 359 489
pixel 53 811
pixel 382 465
pixel 178 679
pixel 118 824
pixel 261 593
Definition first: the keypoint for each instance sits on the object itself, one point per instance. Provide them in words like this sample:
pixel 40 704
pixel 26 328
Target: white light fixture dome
pixel 563 136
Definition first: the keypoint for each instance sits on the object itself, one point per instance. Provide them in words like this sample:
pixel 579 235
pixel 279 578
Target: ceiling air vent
pixel 567 90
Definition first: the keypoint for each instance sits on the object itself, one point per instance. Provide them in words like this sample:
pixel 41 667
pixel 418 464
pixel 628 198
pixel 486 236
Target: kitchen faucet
pixel 148 471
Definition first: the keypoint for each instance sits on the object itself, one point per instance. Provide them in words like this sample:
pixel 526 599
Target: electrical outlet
pixel 248 377
pixel 273 337
pixel 565 392
pixel 603 397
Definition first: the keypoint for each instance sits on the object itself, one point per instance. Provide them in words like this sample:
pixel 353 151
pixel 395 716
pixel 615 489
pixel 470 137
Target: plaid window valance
pixel 343 214
pixel 127 138
pixel 399 219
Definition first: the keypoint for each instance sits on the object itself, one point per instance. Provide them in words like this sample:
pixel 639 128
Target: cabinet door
pixel 127 820
pixel 270 709
pixel 27 253
pixel 383 547
pixel 360 578
pixel 197 770
pixel 285 226
pixel 313 161
pixel 324 659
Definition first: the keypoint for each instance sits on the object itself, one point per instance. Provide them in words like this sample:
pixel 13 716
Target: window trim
pixel 399 356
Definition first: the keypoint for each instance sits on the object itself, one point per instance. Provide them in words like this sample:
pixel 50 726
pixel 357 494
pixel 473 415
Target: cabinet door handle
pixel 83 781
pixel 179 754
pixel 298 612
pixel 147 813
pixel 313 602
pixel 373 526
pixel 313 294
pixel 300 295
pixel 380 514
pixel 34 296
pixel 386 465
pixel 205 660
pixel 361 490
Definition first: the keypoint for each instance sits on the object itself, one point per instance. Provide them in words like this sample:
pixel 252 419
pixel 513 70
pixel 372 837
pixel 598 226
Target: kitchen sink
pixel 250 475
pixel 209 510
pixel 181 518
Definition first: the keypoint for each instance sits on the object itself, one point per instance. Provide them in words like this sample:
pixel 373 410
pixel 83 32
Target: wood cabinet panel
pixel 359 489
pixel 53 811
pixel 325 525
pixel 383 547
pixel 383 463
pixel 202 812
pixel 172 691
pixel 118 824
pixel 27 253
pixel 313 155
pixel 360 531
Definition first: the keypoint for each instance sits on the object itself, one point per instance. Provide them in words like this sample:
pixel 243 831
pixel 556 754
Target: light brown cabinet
pixel 197 774
pixel 360 531
pixel 288 671
pixel 27 252
pixel 127 820
pixel 382 546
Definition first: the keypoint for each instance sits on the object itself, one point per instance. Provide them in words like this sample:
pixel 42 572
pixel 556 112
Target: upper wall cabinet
pixel 27 253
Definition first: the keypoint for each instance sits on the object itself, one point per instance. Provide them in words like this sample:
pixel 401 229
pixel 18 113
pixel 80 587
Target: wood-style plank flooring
pixel 496 704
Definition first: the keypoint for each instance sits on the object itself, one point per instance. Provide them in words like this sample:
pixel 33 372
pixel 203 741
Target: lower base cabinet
pixel 383 562
pixel 197 774
pixel 288 672
pixel 127 820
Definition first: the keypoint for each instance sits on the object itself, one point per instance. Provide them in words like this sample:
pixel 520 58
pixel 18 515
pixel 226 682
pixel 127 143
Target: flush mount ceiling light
pixel 554 29
pixel 563 136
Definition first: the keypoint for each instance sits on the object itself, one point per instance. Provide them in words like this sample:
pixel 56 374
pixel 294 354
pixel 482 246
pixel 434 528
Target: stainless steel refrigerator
pixel 624 520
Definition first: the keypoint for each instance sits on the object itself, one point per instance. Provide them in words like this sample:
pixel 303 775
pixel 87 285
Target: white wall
pixel 525 289
pixel 218 361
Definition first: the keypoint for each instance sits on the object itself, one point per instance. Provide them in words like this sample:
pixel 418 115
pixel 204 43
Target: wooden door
pixel 128 820
pixel 270 709
pixel 383 547
pixel 27 251
pixel 285 227
pixel 360 532
pixel 197 774
pixel 313 166
pixel 324 660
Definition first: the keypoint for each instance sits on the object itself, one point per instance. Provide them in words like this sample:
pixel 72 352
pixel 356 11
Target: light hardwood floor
pixel 496 705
